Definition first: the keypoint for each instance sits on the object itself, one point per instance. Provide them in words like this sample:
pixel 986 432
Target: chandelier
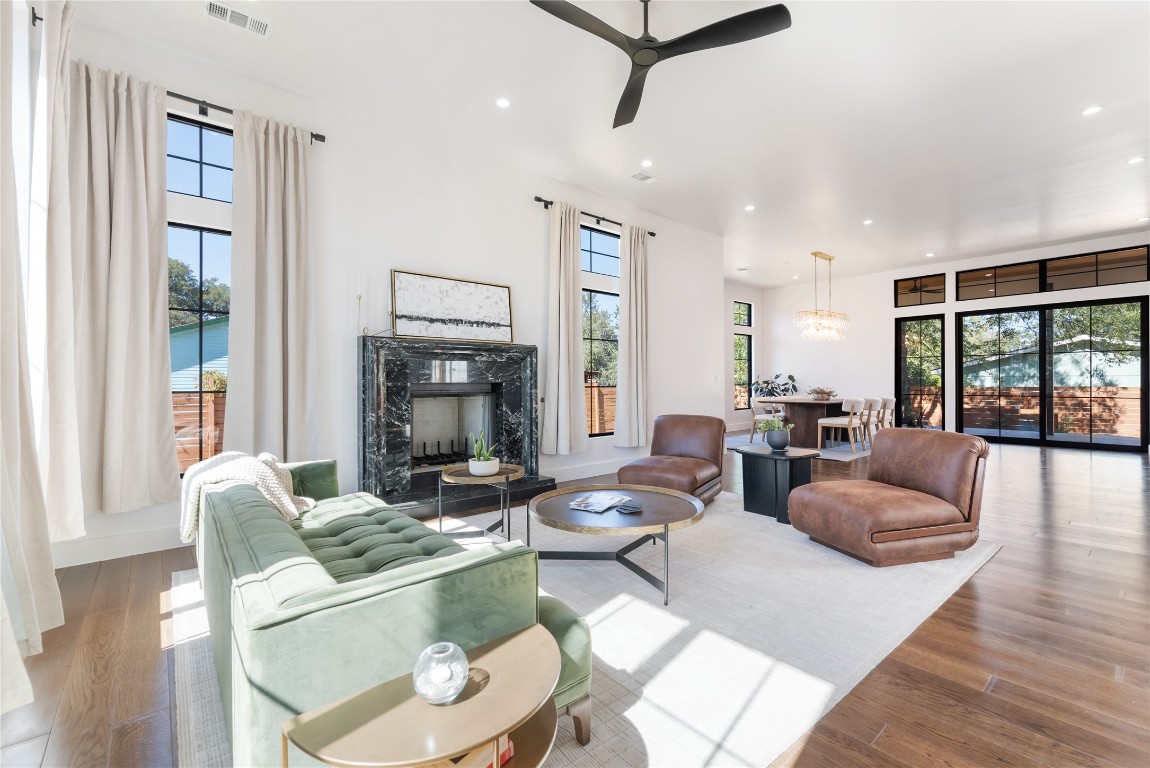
pixel 822 324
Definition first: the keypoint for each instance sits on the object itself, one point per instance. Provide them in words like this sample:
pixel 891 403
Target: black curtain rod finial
pixel 546 203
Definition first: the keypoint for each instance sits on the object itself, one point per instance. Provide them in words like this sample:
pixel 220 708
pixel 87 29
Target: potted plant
pixel 776 386
pixel 821 393
pixel 777 433
pixel 484 464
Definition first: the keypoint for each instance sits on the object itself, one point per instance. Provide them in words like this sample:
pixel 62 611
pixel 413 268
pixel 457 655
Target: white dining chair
pixel 887 420
pixel 851 422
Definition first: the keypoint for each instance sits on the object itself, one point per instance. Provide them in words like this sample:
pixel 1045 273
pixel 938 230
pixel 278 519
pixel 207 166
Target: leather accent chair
pixel 686 455
pixel 921 500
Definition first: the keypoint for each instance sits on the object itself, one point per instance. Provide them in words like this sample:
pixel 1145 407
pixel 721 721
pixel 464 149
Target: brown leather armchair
pixel 686 455
pixel 921 500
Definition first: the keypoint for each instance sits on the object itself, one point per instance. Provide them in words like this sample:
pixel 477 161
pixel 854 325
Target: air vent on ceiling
pixel 222 12
pixel 646 178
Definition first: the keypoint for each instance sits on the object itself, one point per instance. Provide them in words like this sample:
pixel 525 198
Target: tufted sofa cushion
pixel 356 535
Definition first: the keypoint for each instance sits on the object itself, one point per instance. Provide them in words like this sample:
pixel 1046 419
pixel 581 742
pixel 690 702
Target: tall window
pixel 919 382
pixel 1062 374
pixel 199 284
pixel 742 371
pixel 600 359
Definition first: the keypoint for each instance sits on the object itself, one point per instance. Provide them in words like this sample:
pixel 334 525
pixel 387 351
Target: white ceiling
pixel 955 126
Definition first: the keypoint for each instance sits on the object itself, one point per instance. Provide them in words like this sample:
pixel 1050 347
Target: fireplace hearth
pixel 419 402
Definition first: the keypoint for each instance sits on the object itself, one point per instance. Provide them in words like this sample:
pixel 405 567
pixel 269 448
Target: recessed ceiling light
pixel 1091 111
pixel 749 208
pixel 930 255
pixel 794 277
pixel 867 222
pixel 1135 160
pixel 741 269
pixel 1144 219
pixel 646 163
pixel 502 103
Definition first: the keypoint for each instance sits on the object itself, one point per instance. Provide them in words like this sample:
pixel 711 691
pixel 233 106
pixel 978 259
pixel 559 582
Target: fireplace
pixel 420 399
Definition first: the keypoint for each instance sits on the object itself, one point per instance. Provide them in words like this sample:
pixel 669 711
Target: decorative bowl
pixel 440 673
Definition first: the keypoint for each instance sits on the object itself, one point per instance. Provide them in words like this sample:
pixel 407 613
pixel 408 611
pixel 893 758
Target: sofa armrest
pixel 314 479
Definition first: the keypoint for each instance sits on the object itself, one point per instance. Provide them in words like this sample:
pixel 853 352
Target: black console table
pixel 769 476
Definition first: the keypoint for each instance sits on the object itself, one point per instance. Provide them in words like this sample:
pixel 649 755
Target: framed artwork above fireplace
pixel 433 307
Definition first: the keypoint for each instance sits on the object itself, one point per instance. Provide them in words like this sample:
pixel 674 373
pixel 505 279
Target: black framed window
pixel 1058 374
pixel 913 291
pixel 599 251
pixel 600 359
pixel 742 378
pixel 920 380
pixel 742 314
pixel 1086 270
pixel 199 306
pixel 199 159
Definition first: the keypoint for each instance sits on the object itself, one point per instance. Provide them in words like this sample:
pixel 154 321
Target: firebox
pixel 443 417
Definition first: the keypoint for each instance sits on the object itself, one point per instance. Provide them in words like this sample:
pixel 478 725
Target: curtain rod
pixel 548 203
pixel 206 105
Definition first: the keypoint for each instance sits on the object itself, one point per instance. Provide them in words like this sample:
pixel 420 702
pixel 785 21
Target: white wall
pixel 732 292
pixel 863 365
pixel 387 194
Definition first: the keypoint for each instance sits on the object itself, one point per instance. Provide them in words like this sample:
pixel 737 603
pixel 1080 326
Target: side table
pixel 459 474
pixel 769 476
pixel 508 693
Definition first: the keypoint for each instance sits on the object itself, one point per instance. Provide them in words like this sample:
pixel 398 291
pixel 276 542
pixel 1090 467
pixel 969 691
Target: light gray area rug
pixel 765 632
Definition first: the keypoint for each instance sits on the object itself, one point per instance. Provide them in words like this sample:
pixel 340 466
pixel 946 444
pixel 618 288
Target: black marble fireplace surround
pixel 389 367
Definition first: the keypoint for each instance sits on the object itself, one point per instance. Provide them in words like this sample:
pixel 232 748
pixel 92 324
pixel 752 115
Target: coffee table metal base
pixel 620 556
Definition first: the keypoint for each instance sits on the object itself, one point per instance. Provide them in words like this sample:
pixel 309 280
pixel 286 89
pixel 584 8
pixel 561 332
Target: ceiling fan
pixel 646 51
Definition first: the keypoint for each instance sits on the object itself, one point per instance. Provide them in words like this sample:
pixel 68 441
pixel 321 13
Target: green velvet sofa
pixel 306 612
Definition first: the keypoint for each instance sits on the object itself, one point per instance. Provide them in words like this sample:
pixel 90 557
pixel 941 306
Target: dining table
pixel 804 413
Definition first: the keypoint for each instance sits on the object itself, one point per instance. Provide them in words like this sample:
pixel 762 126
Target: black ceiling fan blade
pixel 576 16
pixel 632 95
pixel 737 29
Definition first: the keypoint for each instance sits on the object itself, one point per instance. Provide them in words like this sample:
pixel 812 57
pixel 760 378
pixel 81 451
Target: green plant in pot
pixel 485 463
pixel 776 386
pixel 777 433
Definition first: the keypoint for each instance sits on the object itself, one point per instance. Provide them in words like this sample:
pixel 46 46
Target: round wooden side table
pixel 508 693
pixel 459 474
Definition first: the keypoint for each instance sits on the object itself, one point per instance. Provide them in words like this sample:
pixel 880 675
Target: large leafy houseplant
pixel 776 386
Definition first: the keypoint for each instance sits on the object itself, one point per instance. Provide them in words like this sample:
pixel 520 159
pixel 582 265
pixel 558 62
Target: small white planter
pixel 483 468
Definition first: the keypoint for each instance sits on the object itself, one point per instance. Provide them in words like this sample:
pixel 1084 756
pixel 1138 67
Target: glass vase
pixel 440 673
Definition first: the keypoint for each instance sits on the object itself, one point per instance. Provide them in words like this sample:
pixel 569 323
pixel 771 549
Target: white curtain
pixel 29 599
pixel 52 338
pixel 271 362
pixel 118 285
pixel 631 393
pixel 564 409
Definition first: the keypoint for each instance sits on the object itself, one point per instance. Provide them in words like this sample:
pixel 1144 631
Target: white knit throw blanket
pixel 270 478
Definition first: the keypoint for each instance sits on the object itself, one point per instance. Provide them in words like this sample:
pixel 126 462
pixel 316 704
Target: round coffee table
pixel 662 511
pixel 509 692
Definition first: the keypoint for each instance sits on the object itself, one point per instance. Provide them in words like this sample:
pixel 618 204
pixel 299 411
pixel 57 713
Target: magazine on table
pixel 598 501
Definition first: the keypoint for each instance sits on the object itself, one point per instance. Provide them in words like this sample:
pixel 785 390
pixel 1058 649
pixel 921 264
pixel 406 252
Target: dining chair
pixel 887 420
pixel 851 421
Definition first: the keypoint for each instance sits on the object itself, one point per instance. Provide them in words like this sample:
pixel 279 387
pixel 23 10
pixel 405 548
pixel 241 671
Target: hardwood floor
pixel 1042 658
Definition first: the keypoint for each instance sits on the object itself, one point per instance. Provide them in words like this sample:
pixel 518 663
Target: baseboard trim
pixel 89 549
pixel 582 471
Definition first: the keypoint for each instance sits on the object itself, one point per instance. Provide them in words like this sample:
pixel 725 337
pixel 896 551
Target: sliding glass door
pixel 1059 374
pixel 919 372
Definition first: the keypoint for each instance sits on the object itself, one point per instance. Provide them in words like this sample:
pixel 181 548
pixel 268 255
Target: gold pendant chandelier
pixel 822 324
